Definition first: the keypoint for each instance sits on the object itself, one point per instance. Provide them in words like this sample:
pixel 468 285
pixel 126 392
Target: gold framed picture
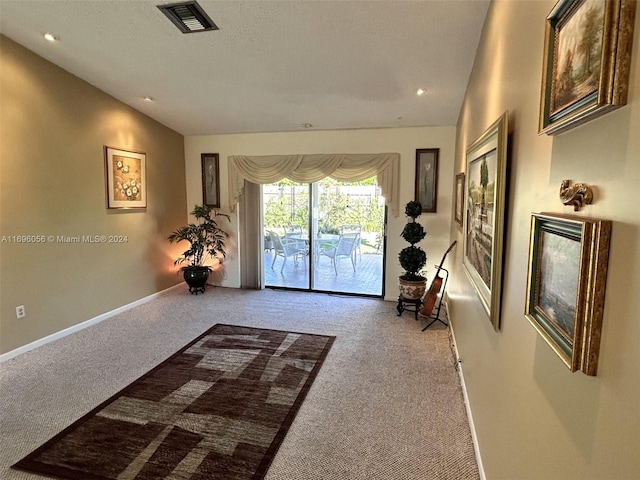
pixel 587 57
pixel 485 192
pixel 126 178
pixel 566 283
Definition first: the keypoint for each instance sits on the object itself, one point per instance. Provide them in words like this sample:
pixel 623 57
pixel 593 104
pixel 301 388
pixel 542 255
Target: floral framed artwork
pixel 126 178
pixel 587 59
pixel 210 180
pixel 426 191
pixel 566 283
pixel 483 231
pixel 459 198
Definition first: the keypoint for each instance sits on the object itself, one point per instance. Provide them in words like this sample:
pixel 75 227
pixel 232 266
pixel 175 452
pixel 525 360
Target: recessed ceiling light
pixel 50 37
pixel 148 99
pixel 420 92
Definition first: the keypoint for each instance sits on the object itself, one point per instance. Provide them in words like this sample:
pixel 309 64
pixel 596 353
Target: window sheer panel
pixel 313 168
pixel 251 258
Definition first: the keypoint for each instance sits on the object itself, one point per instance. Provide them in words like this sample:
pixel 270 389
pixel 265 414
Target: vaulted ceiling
pixel 273 65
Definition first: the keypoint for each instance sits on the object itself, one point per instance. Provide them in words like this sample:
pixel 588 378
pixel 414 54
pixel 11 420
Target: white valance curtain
pixel 313 168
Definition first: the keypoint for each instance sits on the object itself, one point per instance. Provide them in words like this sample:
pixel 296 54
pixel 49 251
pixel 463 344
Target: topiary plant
pixel 412 258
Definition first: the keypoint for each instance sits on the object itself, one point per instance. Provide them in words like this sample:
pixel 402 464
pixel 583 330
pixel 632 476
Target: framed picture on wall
pixel 566 284
pixel 126 178
pixel 485 187
pixel 587 58
pixel 426 191
pixel 459 198
pixel 210 180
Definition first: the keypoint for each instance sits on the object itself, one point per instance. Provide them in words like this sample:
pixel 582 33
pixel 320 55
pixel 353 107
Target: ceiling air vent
pixel 189 17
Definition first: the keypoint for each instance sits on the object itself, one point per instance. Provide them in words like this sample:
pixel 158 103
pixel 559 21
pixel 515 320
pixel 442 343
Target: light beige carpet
pixel 386 404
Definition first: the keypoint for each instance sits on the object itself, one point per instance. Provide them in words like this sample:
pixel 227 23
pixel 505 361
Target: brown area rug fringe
pixel 217 409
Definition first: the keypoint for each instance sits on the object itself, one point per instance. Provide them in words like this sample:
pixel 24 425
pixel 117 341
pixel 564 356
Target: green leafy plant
pixel 413 258
pixel 206 239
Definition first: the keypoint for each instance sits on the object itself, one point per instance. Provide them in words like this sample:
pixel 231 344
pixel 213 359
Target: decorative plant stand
pixel 410 305
pixel 413 305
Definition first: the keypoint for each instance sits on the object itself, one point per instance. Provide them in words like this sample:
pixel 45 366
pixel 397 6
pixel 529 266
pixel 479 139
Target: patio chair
pixel 346 247
pixel 285 250
pixel 293 234
pixel 353 229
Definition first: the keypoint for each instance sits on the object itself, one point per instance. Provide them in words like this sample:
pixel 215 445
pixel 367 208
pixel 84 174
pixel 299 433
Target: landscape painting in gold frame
pixel 587 57
pixel 568 257
pixel 483 232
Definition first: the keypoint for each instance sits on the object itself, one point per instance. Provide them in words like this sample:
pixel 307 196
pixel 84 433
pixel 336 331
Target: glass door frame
pixel 313 226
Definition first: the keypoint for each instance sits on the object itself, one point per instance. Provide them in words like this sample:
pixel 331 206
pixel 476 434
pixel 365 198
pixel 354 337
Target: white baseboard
pixel 80 326
pixel 472 426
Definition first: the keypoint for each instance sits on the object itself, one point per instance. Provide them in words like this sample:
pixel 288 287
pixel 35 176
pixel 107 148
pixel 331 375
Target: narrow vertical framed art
pixel 426 191
pixel 459 198
pixel 126 178
pixel 210 179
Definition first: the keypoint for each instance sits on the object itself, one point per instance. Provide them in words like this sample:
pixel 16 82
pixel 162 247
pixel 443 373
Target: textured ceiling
pixel 272 66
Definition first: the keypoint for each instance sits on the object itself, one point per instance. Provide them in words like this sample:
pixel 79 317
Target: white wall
pixel 404 141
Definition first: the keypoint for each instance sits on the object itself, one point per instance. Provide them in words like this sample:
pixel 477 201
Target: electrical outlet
pixel 20 311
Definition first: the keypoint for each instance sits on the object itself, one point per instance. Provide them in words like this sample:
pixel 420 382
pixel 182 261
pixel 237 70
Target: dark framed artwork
pixel 210 180
pixel 587 59
pixel 126 178
pixel 566 283
pixel 426 191
pixel 459 198
pixel 485 187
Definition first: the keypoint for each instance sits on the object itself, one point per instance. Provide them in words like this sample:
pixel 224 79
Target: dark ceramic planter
pixel 196 278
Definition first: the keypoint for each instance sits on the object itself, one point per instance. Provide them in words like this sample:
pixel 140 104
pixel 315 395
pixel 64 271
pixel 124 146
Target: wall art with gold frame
pixel 587 57
pixel 566 283
pixel 126 178
pixel 485 192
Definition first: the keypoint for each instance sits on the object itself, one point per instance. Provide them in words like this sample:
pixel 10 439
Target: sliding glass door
pixel 326 236
pixel 286 207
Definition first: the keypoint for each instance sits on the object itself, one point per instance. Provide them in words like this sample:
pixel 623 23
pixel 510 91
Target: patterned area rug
pixel 217 409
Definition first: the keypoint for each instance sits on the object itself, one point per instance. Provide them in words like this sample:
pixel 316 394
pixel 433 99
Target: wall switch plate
pixel 20 311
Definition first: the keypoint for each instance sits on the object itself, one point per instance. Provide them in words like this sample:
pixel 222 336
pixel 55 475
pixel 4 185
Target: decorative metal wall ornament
pixel 578 194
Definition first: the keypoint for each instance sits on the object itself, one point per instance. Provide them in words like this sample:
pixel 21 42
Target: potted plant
pixel 206 241
pixel 412 258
